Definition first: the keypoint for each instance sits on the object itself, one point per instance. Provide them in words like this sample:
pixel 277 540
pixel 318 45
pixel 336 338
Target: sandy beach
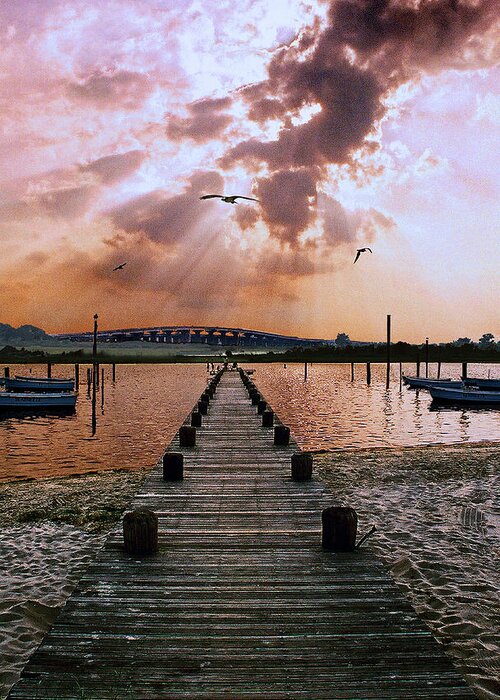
pixel 431 507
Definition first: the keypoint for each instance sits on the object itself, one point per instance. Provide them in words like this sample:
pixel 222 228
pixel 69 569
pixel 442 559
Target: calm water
pixel 144 407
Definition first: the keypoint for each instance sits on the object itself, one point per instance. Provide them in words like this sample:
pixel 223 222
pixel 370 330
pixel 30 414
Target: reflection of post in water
pixel 400 376
pixel 94 391
pixel 102 389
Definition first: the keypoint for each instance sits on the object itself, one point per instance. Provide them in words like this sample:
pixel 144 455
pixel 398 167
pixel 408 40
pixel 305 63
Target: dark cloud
pixel 111 169
pixel 165 218
pixel 346 69
pixel 63 202
pixel 204 123
pixel 120 89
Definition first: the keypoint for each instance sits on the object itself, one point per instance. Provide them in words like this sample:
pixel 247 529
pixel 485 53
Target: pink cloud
pixel 204 123
pixel 120 89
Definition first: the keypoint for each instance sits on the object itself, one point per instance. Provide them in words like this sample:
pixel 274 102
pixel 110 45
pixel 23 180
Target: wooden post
pixel 94 345
pixel 77 377
pixel 89 379
pixel 400 374
pixel 6 372
pixel 439 370
pixel 388 367
pixel 464 370
pixel 187 436
pixel 113 370
pixel 196 419
pixel 339 529
pixel 261 407
pixel 203 407
pixel 427 358
pixel 94 417
pixel 102 386
pixel 256 397
pixel 302 465
pixel 418 364
pixel 305 371
pixel 281 435
pixel 96 369
pixel 268 419
pixel 368 373
pixel 352 371
pixel 140 532
pixel 173 466
pixel 49 369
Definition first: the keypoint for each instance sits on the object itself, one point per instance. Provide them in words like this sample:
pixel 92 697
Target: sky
pixel 354 123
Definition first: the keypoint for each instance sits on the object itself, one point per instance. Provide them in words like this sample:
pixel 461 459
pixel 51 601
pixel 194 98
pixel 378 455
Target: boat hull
pixel 422 383
pixel 465 397
pixel 483 384
pixel 11 400
pixel 38 384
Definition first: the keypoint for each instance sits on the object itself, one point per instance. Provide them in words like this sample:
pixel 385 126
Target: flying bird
pixel 231 199
pixel 119 267
pixel 361 250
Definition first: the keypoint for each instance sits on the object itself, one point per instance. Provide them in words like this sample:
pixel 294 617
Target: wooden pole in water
pixel 464 370
pixel 49 369
pixel 427 358
pixel 77 377
pixel 439 370
pixel 400 374
pixel 418 364
pixel 94 345
pixel 94 418
pixel 102 387
pixel 6 372
pixel 305 371
pixel 89 379
pixel 113 369
pixel 388 367
pixel 368 373
pixel 352 371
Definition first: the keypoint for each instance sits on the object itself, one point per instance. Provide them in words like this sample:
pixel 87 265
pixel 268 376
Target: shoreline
pixel 52 528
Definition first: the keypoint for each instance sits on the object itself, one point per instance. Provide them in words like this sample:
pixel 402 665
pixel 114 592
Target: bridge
pixel 208 335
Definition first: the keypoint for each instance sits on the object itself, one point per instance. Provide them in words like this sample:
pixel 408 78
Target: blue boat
pixel 465 396
pixel 38 384
pixel 10 400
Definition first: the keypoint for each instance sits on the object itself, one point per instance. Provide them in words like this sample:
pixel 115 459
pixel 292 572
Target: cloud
pixel 367 49
pixel 163 217
pixel 112 169
pixel 204 123
pixel 112 90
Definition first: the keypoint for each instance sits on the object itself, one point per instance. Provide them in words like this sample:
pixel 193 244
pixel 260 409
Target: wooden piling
pixel 113 372
pixel 427 358
pixel 388 367
pixel 302 465
pixel 196 419
pixel 268 419
pixel 352 371
pixel 6 372
pixel 203 407
pixel 49 369
pixel 102 386
pixel 439 370
pixel 464 370
pixel 97 372
pixel 368 373
pixel 339 527
pixel 417 368
pixel 140 532
pixel 187 436
pixel 305 371
pixel 173 466
pixel 281 435
pixel 77 377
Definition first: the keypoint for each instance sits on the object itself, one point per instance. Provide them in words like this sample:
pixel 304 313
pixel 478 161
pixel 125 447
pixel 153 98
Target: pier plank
pixel 240 601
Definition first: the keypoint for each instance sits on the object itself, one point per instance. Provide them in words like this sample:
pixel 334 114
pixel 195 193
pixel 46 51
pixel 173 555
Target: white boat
pixel 483 384
pixel 423 383
pixel 465 396
pixel 10 400
pixel 38 384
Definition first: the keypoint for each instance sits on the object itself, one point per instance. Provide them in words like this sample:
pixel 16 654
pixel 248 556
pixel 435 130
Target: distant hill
pixel 24 334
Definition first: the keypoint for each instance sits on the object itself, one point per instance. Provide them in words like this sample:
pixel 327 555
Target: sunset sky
pixel 355 123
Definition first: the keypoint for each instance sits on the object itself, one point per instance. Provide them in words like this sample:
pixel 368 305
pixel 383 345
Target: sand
pixel 438 530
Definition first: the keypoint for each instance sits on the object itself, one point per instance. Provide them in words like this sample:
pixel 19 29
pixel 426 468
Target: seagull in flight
pixel 119 267
pixel 361 250
pixel 231 199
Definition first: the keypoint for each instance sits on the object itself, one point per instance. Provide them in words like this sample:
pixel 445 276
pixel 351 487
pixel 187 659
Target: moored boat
pixel 10 400
pixel 483 384
pixel 422 383
pixel 465 396
pixel 38 384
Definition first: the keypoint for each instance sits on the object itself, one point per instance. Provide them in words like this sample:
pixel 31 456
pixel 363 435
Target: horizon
pixel 353 124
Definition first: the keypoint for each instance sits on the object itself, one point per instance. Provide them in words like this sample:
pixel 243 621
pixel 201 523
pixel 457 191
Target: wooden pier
pixel 241 601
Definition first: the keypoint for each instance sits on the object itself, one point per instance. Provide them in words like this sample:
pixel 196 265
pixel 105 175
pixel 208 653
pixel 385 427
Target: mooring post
pixel 305 371
pixel 49 369
pixel 113 370
pixel 352 371
pixel 187 436
pixel 439 370
pixel 6 372
pixel 89 379
pixel 94 387
pixel 97 366
pixel 400 374
pixel 281 435
pixel 302 466
pixel 388 368
pixel 173 466
pixel 77 377
pixel 368 373
pixel 268 418
pixel 418 364
pixel 339 528
pixel 94 344
pixel 427 358
pixel 102 386
pixel 464 370
pixel 196 419
pixel 140 532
